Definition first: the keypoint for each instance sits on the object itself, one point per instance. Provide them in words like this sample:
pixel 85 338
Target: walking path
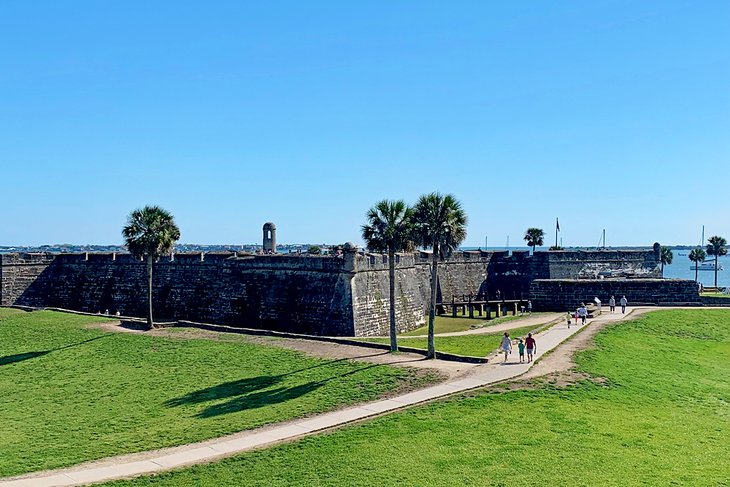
pixel 170 458
pixel 526 320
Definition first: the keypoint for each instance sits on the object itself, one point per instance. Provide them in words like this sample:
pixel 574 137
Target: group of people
pixel 581 313
pixel 612 304
pixel 529 345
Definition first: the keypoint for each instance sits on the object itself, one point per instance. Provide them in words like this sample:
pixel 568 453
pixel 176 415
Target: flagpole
pixel 557 227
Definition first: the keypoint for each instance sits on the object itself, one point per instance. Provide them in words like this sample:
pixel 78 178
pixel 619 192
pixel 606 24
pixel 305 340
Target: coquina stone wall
pixel 323 295
pixel 299 294
pixel 567 294
pixel 370 294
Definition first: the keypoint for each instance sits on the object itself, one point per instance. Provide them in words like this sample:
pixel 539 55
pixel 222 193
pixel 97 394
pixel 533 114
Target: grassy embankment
pixel 656 413
pixel 70 393
pixel 448 324
pixel 477 345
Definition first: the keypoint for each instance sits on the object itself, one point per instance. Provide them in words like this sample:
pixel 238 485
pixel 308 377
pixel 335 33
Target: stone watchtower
pixel 269 238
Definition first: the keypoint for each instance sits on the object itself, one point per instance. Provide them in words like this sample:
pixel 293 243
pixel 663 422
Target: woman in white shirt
pixel 506 345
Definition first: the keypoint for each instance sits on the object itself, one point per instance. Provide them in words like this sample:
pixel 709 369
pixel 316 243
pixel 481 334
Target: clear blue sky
pixel 608 114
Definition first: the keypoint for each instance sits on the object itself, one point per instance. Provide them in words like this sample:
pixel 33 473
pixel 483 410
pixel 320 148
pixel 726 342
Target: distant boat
pixel 682 255
pixel 708 265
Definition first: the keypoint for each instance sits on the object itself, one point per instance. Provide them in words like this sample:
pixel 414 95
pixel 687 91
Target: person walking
pixel 570 318
pixel 521 350
pixel 583 313
pixel 529 307
pixel 612 304
pixel 506 346
pixel 531 346
pixel 624 302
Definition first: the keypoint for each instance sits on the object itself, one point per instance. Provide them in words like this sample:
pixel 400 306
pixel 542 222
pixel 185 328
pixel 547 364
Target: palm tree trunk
pixel 716 256
pixel 662 269
pixel 391 279
pixel 150 323
pixel 432 308
pixel 697 268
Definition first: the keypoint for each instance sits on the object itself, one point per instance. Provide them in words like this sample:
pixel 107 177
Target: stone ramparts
pixel 320 295
pixel 567 294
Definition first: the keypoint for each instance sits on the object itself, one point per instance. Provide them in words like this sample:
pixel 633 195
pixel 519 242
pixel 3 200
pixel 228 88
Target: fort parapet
pixel 322 295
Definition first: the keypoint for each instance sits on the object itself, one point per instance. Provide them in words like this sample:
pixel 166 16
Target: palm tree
pixel 534 237
pixel 389 230
pixel 439 223
pixel 716 246
pixel 697 255
pixel 666 257
pixel 150 232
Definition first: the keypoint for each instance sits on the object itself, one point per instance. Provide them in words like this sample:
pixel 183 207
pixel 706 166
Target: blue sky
pixel 608 114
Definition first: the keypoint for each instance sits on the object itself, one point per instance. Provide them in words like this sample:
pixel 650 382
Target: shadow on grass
pixel 255 392
pixel 260 399
pixel 239 387
pixel 226 389
pixel 19 357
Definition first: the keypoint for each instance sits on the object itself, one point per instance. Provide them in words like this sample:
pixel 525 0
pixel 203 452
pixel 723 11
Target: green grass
pixel 659 416
pixel 448 324
pixel 69 393
pixel 471 345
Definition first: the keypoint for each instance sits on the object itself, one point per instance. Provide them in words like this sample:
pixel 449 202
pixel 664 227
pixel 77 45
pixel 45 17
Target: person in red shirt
pixel 531 347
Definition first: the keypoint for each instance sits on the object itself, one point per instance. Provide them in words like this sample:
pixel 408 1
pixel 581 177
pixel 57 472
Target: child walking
pixel 521 350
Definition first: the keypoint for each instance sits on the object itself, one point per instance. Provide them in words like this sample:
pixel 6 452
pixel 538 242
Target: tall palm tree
pixel 534 237
pixel 697 255
pixel 716 246
pixel 388 229
pixel 439 223
pixel 666 257
pixel 150 232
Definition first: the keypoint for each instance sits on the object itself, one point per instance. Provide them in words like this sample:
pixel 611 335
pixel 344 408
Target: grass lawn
pixel 448 324
pixel 69 393
pixel 660 415
pixel 472 345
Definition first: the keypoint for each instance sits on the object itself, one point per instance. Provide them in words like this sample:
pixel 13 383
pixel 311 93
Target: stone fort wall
pixel 323 295
pixel 566 294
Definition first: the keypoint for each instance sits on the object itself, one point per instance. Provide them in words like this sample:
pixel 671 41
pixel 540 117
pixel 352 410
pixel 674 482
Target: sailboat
pixel 708 264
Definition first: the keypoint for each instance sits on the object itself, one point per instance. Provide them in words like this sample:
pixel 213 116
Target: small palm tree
pixel 534 237
pixel 697 255
pixel 439 223
pixel 150 232
pixel 388 229
pixel 666 257
pixel 716 246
